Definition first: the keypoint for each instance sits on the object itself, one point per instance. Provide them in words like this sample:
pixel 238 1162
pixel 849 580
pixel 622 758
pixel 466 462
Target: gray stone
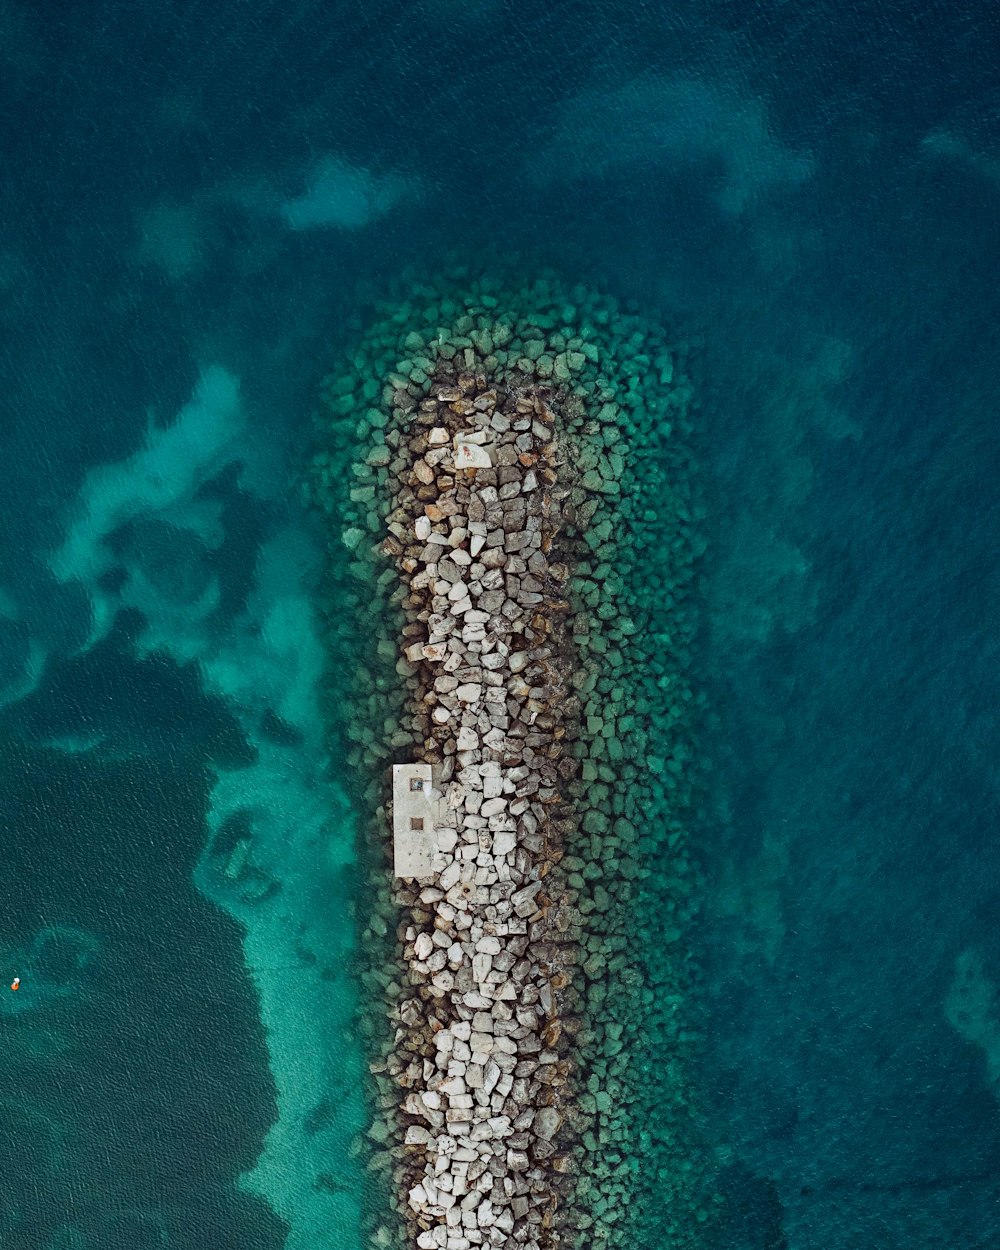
pixel 546 1123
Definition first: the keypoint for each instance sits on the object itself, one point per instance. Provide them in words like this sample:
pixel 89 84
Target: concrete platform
pixel 416 817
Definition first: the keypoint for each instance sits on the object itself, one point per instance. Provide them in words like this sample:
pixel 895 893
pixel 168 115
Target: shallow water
pixel 195 201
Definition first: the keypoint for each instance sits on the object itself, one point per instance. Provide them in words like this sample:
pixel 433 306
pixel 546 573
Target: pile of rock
pixel 525 630
pixel 478 1054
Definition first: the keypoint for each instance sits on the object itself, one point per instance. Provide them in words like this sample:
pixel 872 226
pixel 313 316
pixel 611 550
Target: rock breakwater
pixel 503 464
pixel 474 532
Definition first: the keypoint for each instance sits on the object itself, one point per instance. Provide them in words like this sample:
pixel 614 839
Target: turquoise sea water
pixel 195 199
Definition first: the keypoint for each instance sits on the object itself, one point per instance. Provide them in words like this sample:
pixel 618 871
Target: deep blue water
pixel 195 199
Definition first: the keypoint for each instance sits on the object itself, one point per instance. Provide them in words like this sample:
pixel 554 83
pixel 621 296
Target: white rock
pixel 447 840
pixel 468 739
pixel 470 692
pixel 437 437
pixel 493 806
pixel 504 841
pixel 468 455
pixel 461 896
pixel 482 1043
pixel 422 528
pixel 476 543
pixel 423 946
pixel 451 876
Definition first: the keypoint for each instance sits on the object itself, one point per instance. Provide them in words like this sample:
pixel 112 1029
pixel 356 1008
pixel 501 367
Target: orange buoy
pixel 16 983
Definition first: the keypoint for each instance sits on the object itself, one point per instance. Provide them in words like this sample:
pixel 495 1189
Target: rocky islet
pixel 513 484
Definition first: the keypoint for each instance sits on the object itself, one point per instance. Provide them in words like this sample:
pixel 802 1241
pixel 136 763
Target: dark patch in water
pixel 279 731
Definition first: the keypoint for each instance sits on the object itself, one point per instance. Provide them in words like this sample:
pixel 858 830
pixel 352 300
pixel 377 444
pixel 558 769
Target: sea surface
pixel 196 198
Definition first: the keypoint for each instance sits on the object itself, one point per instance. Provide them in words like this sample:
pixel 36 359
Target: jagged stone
pixel 502 658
